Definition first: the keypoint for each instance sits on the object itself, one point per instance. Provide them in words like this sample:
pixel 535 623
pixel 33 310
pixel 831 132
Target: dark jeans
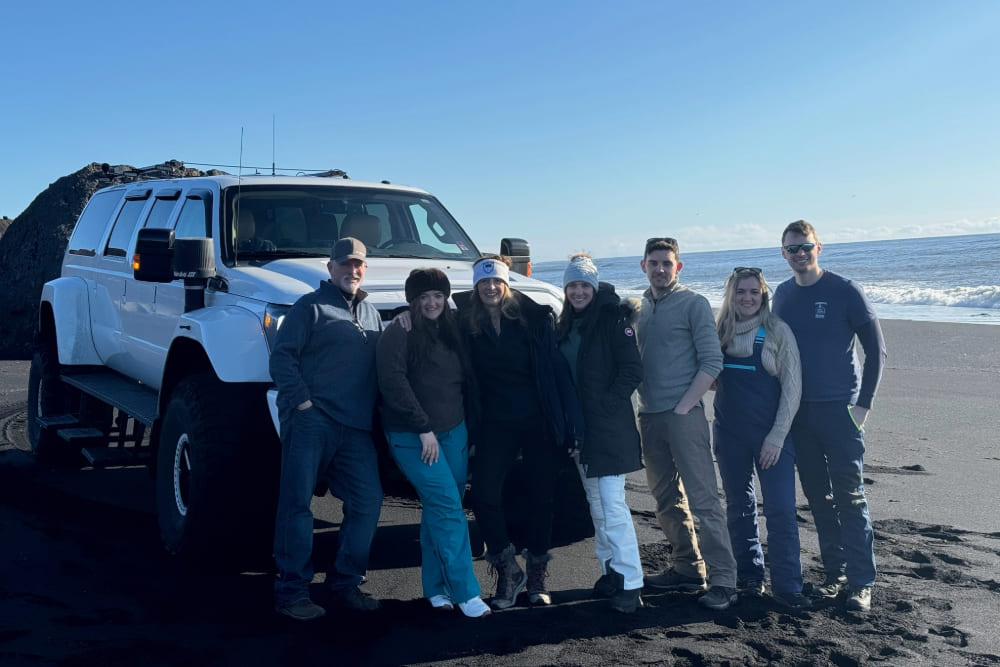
pixel 495 453
pixel 738 456
pixel 313 447
pixel 830 456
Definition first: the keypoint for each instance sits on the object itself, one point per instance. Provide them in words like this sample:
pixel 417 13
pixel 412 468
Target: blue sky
pixel 579 126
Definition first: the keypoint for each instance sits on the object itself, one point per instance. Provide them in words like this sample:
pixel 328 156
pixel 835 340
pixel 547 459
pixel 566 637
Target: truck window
pixel 159 215
pixel 127 220
pixel 287 226
pixel 195 218
pixel 308 219
pixel 434 234
pixel 93 223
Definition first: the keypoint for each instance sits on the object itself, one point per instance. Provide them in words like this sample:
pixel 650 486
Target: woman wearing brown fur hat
pixel 421 374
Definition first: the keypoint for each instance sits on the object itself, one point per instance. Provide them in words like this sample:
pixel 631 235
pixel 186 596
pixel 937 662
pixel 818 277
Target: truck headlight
pixel 274 315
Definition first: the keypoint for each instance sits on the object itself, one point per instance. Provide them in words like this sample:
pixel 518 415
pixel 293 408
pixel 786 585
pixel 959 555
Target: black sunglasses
pixel 748 269
pixel 662 239
pixel 795 247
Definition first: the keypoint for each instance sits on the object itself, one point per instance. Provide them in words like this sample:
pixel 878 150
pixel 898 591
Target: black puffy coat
pixel 608 370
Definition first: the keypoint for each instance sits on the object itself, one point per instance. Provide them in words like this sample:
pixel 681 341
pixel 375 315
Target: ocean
pixel 939 279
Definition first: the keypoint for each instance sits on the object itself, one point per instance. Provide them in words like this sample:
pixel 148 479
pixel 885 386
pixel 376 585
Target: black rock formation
pixel 32 247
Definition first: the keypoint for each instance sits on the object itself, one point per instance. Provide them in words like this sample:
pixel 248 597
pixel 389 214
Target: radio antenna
pixel 236 214
pixel 272 143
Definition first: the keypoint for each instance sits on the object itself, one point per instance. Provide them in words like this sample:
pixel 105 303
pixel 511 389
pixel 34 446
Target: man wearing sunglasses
pixel 827 312
pixel 681 357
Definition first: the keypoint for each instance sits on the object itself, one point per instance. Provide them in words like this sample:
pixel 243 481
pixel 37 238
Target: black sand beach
pixel 83 580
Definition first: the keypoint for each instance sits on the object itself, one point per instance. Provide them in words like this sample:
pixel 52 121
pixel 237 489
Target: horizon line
pixel 831 243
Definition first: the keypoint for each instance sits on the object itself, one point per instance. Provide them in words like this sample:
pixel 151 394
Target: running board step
pixel 57 421
pixel 116 456
pixel 83 434
pixel 133 398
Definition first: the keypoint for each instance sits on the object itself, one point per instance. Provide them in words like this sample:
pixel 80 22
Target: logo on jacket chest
pixel 819 310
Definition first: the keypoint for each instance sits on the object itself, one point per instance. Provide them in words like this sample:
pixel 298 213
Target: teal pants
pixel 446 558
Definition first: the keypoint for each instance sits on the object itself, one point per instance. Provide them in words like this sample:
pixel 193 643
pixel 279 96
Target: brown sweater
pixel 421 399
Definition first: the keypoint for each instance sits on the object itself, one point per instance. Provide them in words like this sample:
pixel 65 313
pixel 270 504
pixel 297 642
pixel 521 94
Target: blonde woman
pixel 757 395
pixel 524 396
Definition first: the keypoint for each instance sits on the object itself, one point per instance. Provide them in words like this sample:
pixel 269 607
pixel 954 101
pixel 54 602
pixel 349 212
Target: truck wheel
pixel 208 455
pixel 48 396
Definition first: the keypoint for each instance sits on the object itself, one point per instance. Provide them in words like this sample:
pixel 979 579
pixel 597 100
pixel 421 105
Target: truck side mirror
pixel 520 254
pixel 195 263
pixel 153 260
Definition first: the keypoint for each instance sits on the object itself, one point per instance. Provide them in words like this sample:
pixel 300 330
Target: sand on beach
pixel 83 580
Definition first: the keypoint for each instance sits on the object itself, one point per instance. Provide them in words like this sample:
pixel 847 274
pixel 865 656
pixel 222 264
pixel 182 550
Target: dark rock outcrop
pixel 32 247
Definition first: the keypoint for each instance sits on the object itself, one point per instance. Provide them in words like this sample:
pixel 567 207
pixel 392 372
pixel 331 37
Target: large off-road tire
pixel 216 473
pixel 49 396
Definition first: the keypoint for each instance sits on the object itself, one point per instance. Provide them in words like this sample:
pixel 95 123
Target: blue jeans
pixel 446 557
pixel 313 447
pixel 738 456
pixel 830 456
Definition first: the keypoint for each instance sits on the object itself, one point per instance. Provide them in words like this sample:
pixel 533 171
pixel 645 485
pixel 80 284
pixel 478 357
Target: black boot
pixel 627 601
pixel 537 566
pixel 610 582
pixel 510 577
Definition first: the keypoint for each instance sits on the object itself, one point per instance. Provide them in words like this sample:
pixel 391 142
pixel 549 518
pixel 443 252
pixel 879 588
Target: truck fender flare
pixel 233 341
pixel 69 299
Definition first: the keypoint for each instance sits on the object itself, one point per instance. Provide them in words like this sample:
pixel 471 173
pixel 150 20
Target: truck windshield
pixel 270 221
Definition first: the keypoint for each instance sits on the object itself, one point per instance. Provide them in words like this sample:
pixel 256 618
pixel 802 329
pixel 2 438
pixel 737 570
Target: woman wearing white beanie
pixel 521 402
pixel 527 405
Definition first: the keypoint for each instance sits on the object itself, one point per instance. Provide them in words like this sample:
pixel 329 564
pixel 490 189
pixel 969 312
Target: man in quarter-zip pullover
pixel 323 364
pixel 681 358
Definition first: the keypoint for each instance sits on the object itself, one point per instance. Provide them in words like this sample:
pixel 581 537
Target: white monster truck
pixel 170 294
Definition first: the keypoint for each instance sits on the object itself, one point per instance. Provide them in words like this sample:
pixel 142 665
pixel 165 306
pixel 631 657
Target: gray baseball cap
pixel 348 248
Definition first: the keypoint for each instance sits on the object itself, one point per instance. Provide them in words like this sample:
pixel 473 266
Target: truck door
pixel 150 310
pixel 107 290
pixel 144 330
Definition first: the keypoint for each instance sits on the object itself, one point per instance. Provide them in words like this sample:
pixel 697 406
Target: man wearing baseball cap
pixel 323 363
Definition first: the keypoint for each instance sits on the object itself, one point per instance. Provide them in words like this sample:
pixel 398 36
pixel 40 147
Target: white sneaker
pixel 474 608
pixel 441 602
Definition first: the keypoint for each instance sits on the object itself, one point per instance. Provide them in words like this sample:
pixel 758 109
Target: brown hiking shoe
pixel 672 580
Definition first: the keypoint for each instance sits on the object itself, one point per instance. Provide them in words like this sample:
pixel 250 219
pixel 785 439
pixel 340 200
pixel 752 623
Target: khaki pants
pixel 681 475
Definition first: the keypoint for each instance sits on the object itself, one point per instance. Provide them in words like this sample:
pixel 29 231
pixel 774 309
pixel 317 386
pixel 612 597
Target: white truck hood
pixel 283 281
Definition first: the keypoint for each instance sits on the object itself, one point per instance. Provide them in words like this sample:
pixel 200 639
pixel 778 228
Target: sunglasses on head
pixel 753 270
pixel 794 248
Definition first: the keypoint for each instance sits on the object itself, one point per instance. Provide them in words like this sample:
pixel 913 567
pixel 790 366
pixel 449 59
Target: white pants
pixel 614 534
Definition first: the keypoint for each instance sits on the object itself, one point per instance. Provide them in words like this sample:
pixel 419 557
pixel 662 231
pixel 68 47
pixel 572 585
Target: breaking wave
pixel 984 296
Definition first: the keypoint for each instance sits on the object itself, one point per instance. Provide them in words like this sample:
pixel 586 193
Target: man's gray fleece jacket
pixel 325 353
pixel 677 338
